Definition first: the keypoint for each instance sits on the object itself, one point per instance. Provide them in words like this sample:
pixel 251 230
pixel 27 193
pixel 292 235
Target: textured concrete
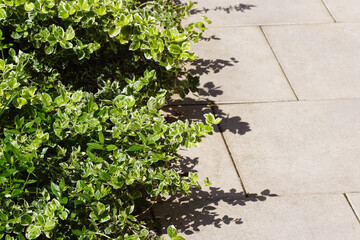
pixel 298 147
pixel 320 61
pixel 313 217
pixel 260 12
pixel 211 159
pixel 288 91
pixel 344 10
pixel 246 72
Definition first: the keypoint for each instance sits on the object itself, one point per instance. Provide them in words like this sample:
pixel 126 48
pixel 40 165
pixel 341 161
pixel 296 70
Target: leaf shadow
pixel 204 208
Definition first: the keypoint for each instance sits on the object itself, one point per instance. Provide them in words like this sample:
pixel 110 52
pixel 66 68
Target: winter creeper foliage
pixel 84 148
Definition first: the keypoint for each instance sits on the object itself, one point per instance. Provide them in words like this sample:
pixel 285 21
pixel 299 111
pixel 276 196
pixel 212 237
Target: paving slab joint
pixel 352 208
pixel 229 152
pixel 328 10
pixel 282 69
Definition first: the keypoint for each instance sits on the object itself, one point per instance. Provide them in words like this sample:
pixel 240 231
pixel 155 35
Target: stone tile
pixel 354 199
pixel 320 61
pixel 237 65
pixel 344 10
pixel 211 159
pixel 260 12
pixel 297 147
pixel 325 216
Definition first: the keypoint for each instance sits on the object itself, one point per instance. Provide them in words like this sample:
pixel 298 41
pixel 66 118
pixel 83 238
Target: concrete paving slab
pixel 297 147
pixel 320 61
pixel 260 12
pixel 237 65
pixel 211 159
pixel 354 199
pixel 309 217
pixel 344 10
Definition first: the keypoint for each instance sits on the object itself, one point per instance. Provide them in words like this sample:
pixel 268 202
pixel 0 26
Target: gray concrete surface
pixel 285 160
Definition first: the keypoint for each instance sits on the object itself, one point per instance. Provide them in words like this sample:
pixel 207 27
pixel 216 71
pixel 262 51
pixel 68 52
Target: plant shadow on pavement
pixel 240 7
pixel 200 209
pixel 189 108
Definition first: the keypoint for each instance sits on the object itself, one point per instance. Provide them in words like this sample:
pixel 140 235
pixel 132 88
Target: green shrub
pixel 82 140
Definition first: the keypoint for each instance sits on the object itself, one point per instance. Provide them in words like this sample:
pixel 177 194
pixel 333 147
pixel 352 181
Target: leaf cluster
pixel 84 148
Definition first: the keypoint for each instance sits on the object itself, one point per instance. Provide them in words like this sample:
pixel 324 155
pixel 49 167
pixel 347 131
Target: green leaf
pixel 111 147
pixel 104 176
pixel 100 208
pixel 171 230
pixel 174 49
pixel 62 185
pixel 178 238
pixel 135 45
pixel 29 6
pixel 134 148
pixel 20 102
pixel 95 146
pixel 46 98
pixel 63 200
pixel 69 34
pixel 32 232
pixel 2 65
pixel 30 169
pixel 207 182
pixel 55 189
pixel 2 14
pixel 50 224
pixel 77 232
pixel 40 220
pixel 49 49
pixel 26 219
pixel 101 137
pixel 114 31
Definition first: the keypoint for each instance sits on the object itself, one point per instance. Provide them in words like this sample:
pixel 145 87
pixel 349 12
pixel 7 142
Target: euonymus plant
pixel 83 144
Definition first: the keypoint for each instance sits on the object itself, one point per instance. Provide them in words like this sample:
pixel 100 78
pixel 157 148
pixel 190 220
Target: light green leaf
pixel 2 65
pixel 33 232
pixel 69 34
pixel 171 230
pixel 46 98
pixel 100 208
pixel 50 224
pixel 174 49
pixel 29 6
pixel 2 14
pixel 114 31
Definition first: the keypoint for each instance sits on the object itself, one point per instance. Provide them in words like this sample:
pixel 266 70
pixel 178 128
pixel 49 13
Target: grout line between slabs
pixel 328 10
pixel 352 208
pixel 231 157
pixel 282 69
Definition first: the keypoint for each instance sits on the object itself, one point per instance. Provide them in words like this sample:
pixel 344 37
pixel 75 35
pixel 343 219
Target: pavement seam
pixel 282 69
pixel 277 24
pixel 230 154
pixel 328 10
pixel 352 208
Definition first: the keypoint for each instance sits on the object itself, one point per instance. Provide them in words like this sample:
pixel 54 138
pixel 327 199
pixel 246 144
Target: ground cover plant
pixel 84 149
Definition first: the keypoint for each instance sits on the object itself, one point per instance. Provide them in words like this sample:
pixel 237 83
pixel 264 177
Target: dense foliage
pixel 83 143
